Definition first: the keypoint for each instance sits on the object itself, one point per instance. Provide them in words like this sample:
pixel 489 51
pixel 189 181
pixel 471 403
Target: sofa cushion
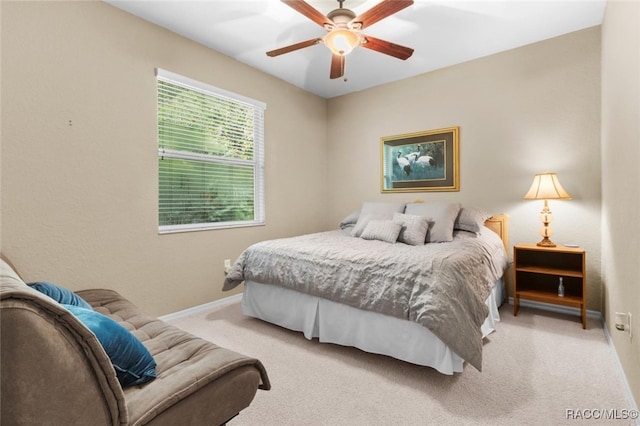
pixel 185 363
pixel 60 294
pixel 132 361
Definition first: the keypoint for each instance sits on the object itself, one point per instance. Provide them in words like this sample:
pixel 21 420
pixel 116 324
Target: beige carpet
pixel 536 366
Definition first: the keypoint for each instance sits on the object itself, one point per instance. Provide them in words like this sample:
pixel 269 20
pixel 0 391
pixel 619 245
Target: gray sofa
pixel 55 371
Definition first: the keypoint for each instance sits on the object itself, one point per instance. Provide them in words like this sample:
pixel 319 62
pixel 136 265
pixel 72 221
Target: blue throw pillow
pixel 60 294
pixel 132 361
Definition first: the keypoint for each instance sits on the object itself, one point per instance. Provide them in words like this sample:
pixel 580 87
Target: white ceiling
pixel 442 33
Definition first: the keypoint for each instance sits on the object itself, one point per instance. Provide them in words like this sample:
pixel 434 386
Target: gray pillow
pixel 375 210
pixel 383 230
pixel 350 220
pixel 471 219
pixel 442 215
pixel 414 228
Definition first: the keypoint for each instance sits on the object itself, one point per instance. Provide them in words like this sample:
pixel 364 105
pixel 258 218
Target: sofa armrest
pixel 53 370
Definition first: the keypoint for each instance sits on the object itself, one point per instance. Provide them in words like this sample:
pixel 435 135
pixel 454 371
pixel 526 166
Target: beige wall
pixel 523 111
pixel 621 178
pixel 79 173
pixel 78 149
pixel 79 154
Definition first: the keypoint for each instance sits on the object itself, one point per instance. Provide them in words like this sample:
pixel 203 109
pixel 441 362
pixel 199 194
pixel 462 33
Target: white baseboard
pixel 200 308
pixel 625 383
pixel 590 314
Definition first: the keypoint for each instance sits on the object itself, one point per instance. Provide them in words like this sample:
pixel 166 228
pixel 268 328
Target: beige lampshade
pixel 546 186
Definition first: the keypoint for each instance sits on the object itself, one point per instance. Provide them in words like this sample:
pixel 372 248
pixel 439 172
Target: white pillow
pixel 414 228
pixel 375 210
pixel 383 230
pixel 471 219
pixel 442 215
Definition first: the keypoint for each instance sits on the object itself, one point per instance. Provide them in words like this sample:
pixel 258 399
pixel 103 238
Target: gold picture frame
pixel 421 161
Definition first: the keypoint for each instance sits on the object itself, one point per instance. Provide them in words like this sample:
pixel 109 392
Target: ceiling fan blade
pixel 387 47
pixel 380 11
pixel 307 10
pixel 337 66
pixel 293 47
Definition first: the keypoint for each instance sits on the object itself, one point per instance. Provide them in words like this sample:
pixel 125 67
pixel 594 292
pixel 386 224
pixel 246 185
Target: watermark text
pixel 600 414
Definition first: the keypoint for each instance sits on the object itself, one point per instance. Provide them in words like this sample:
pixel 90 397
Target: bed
pixel 420 282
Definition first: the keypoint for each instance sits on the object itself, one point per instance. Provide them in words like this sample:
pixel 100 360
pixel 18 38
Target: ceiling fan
pixel 344 31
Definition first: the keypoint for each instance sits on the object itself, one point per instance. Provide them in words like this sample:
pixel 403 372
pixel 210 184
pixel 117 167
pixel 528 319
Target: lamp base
pixel 546 242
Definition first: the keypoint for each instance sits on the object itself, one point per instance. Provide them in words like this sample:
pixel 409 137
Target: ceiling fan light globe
pixel 341 41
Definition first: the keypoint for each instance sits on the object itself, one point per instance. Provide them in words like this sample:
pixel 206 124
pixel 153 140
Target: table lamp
pixel 546 187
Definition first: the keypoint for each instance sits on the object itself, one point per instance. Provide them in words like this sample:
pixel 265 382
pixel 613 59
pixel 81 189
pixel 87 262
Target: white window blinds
pixel 210 156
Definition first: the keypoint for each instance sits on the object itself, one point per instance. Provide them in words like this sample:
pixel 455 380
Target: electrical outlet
pixel 227 265
pixel 623 322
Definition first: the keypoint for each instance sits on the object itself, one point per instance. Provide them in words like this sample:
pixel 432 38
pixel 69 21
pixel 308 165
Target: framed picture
pixel 422 161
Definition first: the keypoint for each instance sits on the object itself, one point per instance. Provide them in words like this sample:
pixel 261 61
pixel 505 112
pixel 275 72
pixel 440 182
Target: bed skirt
pixel 341 324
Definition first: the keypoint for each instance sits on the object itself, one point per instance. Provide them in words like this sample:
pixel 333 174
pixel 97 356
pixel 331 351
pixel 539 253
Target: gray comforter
pixel 442 286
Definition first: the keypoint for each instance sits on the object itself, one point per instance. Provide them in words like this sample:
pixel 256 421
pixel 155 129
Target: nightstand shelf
pixel 537 273
pixel 550 271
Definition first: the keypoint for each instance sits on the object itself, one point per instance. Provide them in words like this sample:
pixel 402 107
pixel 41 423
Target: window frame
pixel 257 162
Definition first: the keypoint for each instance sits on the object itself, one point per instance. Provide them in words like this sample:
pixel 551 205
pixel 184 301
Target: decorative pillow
pixel 471 219
pixel 350 220
pixel 60 294
pixel 383 230
pixel 414 228
pixel 442 215
pixel 375 210
pixel 132 361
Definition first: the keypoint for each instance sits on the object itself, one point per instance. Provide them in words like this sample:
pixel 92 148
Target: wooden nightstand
pixel 537 273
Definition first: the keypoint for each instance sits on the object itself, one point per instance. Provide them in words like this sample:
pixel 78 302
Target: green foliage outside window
pixel 206 157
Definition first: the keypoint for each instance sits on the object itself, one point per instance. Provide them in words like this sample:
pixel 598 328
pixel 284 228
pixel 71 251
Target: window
pixel 210 156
